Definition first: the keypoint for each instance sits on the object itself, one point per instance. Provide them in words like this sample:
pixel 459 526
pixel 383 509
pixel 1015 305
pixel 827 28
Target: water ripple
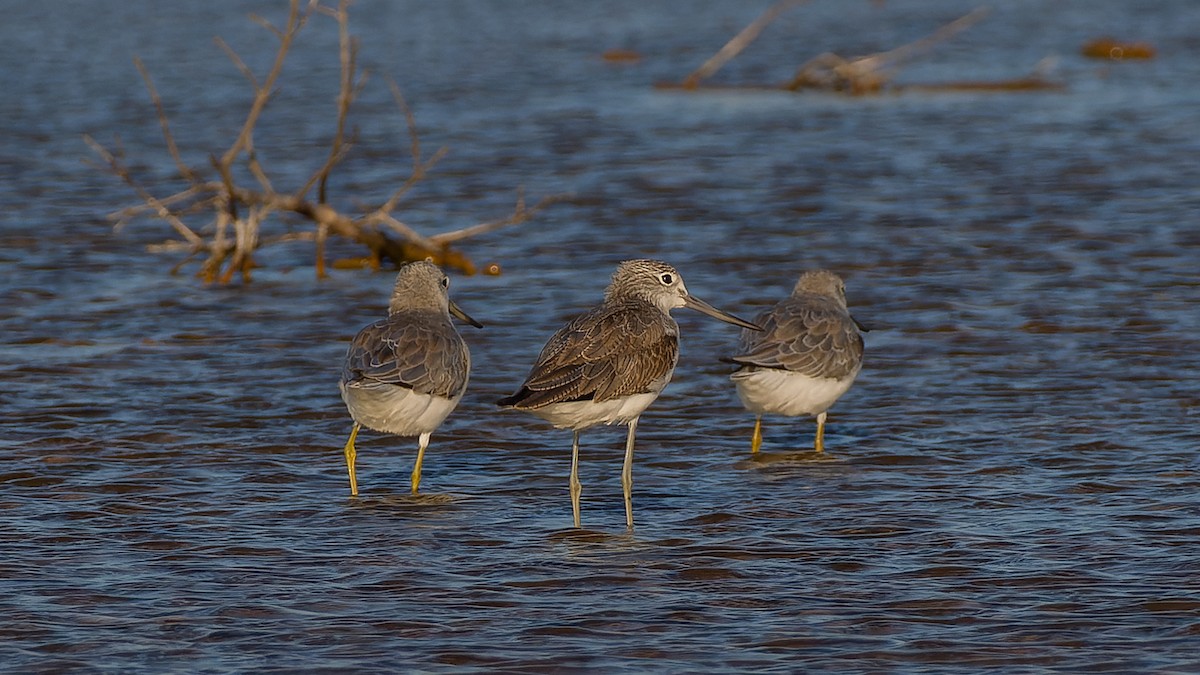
pixel 1010 484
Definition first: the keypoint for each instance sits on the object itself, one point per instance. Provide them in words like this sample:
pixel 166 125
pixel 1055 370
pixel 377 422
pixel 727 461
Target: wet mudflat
pixel 1012 482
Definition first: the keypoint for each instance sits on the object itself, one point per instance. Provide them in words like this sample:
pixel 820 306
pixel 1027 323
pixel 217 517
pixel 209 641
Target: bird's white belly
pixel 770 390
pixel 397 410
pixel 584 414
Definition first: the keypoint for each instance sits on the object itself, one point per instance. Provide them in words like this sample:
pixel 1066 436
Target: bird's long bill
pixel 457 311
pixel 692 302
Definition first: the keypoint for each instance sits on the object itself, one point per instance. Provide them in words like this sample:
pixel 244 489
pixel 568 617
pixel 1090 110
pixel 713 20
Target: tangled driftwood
pixel 855 76
pixel 234 215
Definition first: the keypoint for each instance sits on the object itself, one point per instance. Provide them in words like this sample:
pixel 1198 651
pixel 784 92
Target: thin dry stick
pixel 187 259
pixel 383 214
pixel 238 62
pixel 195 240
pixel 403 229
pixel 184 169
pixel 739 42
pixel 257 170
pixel 227 214
pixel 348 56
pixel 521 213
pixel 903 52
pixel 420 167
pixel 251 156
pixel 417 176
pixel 245 143
pixel 189 197
pixel 410 122
pixel 262 94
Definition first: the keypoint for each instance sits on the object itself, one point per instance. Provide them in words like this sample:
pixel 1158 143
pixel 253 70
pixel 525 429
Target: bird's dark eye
pixel 445 282
pixel 666 278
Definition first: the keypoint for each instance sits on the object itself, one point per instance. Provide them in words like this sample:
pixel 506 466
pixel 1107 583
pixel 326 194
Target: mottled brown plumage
pixel 609 364
pixel 612 351
pixel 409 350
pixel 404 374
pixel 804 359
pixel 807 333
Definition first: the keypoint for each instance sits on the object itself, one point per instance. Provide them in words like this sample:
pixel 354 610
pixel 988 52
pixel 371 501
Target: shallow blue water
pixel 1011 483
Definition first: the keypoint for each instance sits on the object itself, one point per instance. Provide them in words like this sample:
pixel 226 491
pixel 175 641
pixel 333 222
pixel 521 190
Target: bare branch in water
pixel 739 42
pixel 520 214
pixel 237 214
pixel 869 74
pixel 861 75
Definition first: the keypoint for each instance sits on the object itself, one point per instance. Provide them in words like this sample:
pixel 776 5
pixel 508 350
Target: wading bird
pixel 805 357
pixel 608 365
pixel 404 374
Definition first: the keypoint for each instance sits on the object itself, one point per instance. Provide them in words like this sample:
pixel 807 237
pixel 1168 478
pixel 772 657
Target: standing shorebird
pixel 404 374
pixel 608 365
pixel 804 359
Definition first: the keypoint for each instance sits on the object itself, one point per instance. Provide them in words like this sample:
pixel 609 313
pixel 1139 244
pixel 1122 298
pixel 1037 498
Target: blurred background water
pixel 1011 483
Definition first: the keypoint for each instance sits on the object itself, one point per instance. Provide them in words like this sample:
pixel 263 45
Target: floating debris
pixel 621 56
pixel 1115 50
pixel 857 76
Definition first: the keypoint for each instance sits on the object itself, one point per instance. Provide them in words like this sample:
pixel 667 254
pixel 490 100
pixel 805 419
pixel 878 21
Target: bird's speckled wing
pixel 807 334
pixel 427 356
pixel 610 352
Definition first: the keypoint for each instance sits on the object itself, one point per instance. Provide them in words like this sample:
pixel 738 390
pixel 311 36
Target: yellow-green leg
pixel 351 454
pixel 756 439
pixel 576 488
pixel 422 443
pixel 819 443
pixel 627 474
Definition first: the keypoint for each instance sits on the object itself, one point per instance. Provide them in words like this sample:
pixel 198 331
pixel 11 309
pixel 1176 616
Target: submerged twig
pixel 739 42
